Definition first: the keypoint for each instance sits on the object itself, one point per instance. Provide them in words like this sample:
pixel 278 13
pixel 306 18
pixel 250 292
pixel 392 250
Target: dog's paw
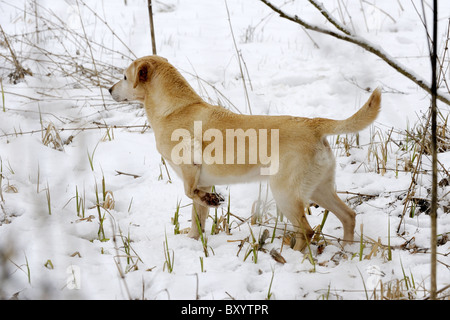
pixel 212 199
pixel 193 233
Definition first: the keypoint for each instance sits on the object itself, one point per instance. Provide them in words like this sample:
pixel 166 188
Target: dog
pixel 302 168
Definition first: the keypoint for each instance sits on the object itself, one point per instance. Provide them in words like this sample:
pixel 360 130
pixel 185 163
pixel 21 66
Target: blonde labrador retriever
pixel 209 145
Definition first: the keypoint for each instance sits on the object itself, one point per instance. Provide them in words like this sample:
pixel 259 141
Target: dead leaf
pixel 277 257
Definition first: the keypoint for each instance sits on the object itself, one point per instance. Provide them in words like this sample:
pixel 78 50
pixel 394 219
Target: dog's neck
pixel 168 94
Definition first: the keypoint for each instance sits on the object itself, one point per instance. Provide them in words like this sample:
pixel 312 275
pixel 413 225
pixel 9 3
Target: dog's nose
pixel 110 90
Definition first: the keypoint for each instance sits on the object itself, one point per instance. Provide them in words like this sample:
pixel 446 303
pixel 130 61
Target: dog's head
pixel 132 86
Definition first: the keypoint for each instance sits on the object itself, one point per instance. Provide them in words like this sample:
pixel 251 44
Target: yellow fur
pixel 306 162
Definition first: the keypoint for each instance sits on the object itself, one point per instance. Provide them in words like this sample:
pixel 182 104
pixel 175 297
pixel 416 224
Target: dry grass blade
pixel 109 202
pixel 51 138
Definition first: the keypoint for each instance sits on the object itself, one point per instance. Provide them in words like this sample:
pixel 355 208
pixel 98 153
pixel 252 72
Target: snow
pixel 42 253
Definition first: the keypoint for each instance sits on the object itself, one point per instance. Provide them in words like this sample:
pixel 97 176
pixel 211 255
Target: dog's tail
pixel 357 122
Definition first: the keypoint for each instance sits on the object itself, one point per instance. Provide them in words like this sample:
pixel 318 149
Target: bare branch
pixel 361 42
pixel 329 17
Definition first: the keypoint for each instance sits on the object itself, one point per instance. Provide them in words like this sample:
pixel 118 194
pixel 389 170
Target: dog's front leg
pixel 201 196
pixel 191 176
pixel 199 215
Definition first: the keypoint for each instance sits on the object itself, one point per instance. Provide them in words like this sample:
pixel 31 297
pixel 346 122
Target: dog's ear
pixel 143 73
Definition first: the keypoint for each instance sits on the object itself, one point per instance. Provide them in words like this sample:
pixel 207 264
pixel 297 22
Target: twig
pixel 439 291
pixel 20 71
pixel 239 57
pixel 75 129
pixel 127 174
pixel 434 204
pixel 110 29
pixel 381 10
pixel 329 17
pixel 152 33
pixel 359 194
pixel 217 91
pixel 152 28
pixel 92 56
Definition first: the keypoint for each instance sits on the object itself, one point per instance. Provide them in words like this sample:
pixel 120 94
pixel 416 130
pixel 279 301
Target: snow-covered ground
pixel 49 249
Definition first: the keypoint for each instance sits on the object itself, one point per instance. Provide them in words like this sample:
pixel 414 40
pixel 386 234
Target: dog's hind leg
pixel 325 196
pixel 293 208
pixel 295 212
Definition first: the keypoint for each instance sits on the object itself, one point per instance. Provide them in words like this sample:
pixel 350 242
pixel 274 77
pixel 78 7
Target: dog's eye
pixel 124 77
